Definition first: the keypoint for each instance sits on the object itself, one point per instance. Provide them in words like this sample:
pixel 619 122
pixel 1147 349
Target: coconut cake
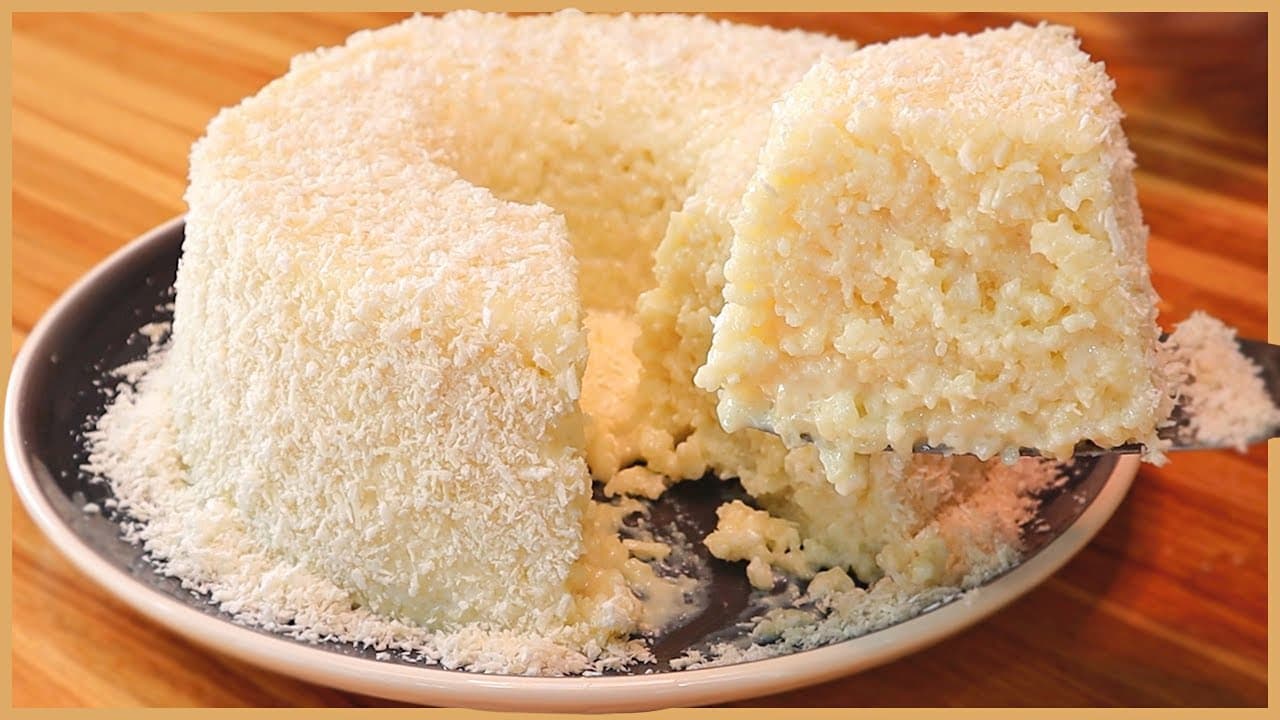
pixel 378 343
pixel 436 278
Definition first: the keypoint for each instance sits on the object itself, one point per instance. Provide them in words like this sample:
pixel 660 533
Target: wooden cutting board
pixel 1166 607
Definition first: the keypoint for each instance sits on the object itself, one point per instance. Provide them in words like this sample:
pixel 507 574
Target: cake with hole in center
pixel 378 345
pixel 400 255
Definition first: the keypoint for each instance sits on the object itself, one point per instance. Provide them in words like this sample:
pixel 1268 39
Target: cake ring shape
pixel 378 343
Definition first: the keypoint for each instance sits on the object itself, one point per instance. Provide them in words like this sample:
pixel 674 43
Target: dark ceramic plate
pixel 92 329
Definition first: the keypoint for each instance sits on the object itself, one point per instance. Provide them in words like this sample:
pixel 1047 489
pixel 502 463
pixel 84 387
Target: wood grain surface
pixel 1166 607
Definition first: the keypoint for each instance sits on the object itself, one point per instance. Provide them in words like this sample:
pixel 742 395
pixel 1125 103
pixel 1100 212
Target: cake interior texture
pixel 439 278
pixel 941 244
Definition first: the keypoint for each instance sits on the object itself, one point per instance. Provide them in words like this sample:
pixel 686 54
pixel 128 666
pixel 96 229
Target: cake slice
pixel 942 244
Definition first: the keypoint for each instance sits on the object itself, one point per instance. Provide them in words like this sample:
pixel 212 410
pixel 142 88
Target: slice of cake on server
pixel 942 244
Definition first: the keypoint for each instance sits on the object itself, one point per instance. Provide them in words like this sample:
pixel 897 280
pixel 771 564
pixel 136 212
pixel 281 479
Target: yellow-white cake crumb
pixel 942 244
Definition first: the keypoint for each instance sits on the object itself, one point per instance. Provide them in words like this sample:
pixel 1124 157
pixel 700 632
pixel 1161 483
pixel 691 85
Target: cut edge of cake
pixel 942 245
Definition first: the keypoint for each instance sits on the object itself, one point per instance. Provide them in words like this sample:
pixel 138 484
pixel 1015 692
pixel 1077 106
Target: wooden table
pixel 1166 607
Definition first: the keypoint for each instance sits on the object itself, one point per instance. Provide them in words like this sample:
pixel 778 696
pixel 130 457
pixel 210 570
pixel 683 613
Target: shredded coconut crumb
pixel 204 542
pixel 1225 398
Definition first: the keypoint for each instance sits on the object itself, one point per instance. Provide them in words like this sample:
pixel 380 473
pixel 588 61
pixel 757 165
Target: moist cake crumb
pixel 941 244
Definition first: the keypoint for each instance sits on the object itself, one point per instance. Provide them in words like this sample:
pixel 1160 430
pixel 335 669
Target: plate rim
pixel 433 685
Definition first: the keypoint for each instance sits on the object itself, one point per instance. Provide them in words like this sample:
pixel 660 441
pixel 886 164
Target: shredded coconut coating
pixel 359 370
pixel 209 544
